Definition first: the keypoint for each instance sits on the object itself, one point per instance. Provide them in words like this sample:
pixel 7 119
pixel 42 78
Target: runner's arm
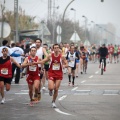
pixel 25 63
pixel 77 56
pixel 44 60
pixel 64 61
pixel 45 52
pixel 16 63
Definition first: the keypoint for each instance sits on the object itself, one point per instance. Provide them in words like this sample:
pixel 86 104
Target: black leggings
pixel 104 59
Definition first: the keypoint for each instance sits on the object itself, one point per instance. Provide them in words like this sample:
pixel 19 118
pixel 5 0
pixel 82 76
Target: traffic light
pixel 102 0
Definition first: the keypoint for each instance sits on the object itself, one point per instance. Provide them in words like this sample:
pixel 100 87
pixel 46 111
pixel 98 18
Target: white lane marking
pixel 8 99
pixel 91 76
pixel 62 98
pixel 59 111
pixel 60 90
pixel 24 90
pixel 103 84
pixel 96 72
pixel 83 81
pixel 21 93
pixel 83 90
pixel 74 88
pixel 80 94
pixel 110 94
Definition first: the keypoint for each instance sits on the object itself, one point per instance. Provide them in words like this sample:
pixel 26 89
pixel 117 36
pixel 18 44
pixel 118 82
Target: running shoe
pixel 69 83
pixel 39 96
pixel 31 103
pixel 43 88
pixel 53 105
pixel 3 101
pixel 50 92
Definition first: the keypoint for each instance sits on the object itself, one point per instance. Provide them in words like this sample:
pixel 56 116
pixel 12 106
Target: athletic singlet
pixel 119 49
pixel 71 58
pixel 55 69
pixel 33 70
pixel 5 67
pixel 40 54
pixel 111 48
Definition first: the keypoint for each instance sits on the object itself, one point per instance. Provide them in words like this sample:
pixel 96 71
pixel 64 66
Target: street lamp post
pixel 54 12
pixel 66 9
pixel 74 22
pixel 74 18
pixel 93 31
pixel 85 26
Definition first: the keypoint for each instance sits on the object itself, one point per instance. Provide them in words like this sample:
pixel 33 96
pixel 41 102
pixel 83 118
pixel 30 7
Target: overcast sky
pixel 94 10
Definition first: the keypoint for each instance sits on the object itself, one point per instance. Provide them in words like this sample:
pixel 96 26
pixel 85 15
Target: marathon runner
pixel 72 56
pixel 33 76
pixel 55 74
pixel 6 72
pixel 40 52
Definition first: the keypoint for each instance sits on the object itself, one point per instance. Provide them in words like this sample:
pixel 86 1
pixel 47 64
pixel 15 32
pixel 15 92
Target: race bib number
pixel 72 62
pixel 32 68
pixel 56 66
pixel 4 71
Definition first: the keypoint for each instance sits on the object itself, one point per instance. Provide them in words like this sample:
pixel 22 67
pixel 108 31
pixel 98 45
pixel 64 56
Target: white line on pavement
pixel 103 84
pixel 96 72
pixel 21 93
pixel 83 90
pixel 24 90
pixel 80 94
pixel 74 88
pixel 60 90
pixel 59 111
pixel 110 94
pixel 8 99
pixel 62 98
pixel 91 76
pixel 83 81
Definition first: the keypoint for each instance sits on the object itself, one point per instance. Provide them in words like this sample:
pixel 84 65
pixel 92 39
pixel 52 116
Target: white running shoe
pixel 53 105
pixel 43 88
pixel 3 101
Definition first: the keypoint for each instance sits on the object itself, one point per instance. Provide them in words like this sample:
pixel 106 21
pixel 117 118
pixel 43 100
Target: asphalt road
pixel 94 97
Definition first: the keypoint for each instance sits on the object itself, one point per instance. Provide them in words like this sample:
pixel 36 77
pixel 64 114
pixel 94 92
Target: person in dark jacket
pixel 103 52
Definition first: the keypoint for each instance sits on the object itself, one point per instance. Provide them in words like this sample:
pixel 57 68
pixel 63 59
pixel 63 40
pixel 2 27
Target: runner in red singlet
pixel 111 51
pixel 6 72
pixel 33 77
pixel 118 52
pixel 55 74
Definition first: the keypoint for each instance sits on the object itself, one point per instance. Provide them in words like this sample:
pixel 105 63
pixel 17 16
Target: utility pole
pixel 49 9
pixel 53 21
pixel 54 9
pixel 16 20
pixel 2 22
